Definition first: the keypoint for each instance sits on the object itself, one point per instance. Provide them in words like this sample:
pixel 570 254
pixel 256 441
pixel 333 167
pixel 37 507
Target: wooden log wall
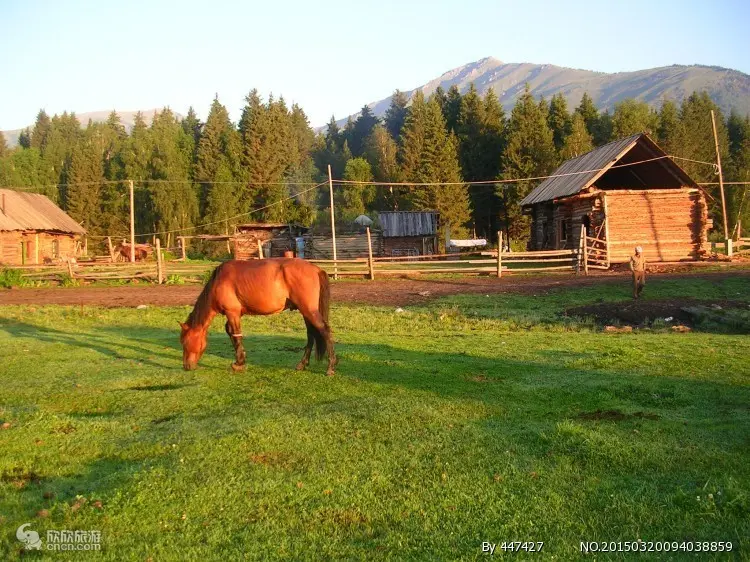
pixel 348 246
pixel 39 246
pixel 670 224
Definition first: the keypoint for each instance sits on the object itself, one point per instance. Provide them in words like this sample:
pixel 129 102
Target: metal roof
pixel 407 223
pixel 32 211
pixel 584 170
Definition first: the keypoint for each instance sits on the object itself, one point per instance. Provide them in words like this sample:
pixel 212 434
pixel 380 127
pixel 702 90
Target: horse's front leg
pixel 233 328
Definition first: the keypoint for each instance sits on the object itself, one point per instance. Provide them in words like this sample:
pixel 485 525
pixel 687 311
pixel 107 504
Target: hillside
pixel 730 89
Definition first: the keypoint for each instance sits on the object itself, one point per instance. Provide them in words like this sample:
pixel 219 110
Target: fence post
pixel 585 246
pixel 183 251
pixel 159 266
pixel 730 251
pixel 70 268
pixel 260 249
pixel 111 249
pixel 499 253
pixel 371 262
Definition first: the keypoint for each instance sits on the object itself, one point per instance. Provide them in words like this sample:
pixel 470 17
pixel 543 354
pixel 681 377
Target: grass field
pixel 470 419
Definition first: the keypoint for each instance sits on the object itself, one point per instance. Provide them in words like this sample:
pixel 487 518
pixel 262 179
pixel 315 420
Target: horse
pixel 261 287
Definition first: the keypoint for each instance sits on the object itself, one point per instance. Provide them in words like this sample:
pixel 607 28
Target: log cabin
pixel 626 193
pixel 33 230
pixel 409 233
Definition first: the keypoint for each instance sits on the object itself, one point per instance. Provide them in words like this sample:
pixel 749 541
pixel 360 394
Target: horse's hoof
pixel 300 367
pixel 237 368
pixel 330 373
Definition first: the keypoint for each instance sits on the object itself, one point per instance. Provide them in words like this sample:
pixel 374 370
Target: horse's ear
pixel 182 325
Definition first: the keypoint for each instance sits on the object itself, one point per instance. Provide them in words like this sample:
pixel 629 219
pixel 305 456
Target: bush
pixel 67 281
pixel 174 280
pixel 11 278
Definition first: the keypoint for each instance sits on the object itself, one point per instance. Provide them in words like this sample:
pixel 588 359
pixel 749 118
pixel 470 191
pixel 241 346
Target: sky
pixel 330 57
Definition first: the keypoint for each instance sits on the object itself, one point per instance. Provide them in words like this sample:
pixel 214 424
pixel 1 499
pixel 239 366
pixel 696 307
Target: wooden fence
pixel 487 262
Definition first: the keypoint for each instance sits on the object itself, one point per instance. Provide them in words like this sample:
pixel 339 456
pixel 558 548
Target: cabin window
pixel 55 248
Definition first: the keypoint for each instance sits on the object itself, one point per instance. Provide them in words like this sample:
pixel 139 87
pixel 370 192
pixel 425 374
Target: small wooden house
pixel 276 238
pixel 407 233
pixel 34 230
pixel 626 193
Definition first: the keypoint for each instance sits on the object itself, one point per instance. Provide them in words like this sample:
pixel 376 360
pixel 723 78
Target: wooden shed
pixel 276 238
pixel 407 233
pixel 33 230
pixel 626 193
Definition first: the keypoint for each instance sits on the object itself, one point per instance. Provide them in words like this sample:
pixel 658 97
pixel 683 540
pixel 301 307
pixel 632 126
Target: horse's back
pixel 264 286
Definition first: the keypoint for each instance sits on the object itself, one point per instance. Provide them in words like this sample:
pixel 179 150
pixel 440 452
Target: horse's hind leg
pixel 233 328
pixel 305 361
pixel 324 336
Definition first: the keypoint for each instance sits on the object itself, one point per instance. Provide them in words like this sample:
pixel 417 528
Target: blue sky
pixel 330 57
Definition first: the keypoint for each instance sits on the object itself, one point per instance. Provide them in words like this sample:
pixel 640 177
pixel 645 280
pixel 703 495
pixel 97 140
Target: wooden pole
pixel 111 249
pixel 86 246
pixel 183 250
pixel 585 246
pixel 159 266
pixel 721 177
pixel 606 228
pixel 260 249
pixel 333 224
pixel 371 262
pixel 499 253
pixel 70 268
pixel 132 222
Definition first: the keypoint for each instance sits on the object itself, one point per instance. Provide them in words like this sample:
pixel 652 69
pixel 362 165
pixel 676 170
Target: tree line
pixel 210 174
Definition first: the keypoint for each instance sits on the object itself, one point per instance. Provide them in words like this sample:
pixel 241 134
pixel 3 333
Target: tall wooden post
pixel 499 253
pixel 721 178
pixel 260 249
pixel 585 250
pixel 111 249
pixel 159 264
pixel 132 222
pixel 183 250
pixel 370 261
pixel 70 267
pixel 333 225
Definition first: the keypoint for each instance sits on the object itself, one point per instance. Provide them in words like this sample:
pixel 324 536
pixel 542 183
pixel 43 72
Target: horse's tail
pixel 323 306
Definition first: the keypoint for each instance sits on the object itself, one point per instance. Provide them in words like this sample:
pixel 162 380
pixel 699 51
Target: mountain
pixel 127 118
pixel 730 89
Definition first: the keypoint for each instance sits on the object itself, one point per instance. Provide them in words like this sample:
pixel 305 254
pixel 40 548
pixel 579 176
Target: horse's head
pixel 193 342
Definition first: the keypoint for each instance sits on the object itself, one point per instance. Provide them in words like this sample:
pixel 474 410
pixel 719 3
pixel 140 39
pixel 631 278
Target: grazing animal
pixel 261 287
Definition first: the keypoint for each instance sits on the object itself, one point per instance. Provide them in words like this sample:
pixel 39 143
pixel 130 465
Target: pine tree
pixel 668 129
pixel 363 127
pixel 631 117
pixel 590 114
pixel 559 120
pixel 738 170
pixel 603 129
pixel 218 156
pixel 40 131
pixel 333 151
pixel 451 109
pixel 114 206
pixel 396 114
pixel 381 151
pixel 24 139
pixel 192 125
pixel 174 199
pixel 470 131
pixel 354 199
pixel 428 155
pixel 578 141
pixel 530 152
pixel 696 142
pixel 84 177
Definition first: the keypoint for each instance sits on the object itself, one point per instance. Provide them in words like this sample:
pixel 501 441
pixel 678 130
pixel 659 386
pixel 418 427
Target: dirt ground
pixel 643 313
pixel 393 292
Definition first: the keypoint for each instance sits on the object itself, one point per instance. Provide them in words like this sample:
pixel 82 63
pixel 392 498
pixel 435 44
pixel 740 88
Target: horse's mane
pixel 202 306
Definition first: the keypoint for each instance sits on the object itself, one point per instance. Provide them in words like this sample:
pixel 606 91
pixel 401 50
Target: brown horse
pixel 261 287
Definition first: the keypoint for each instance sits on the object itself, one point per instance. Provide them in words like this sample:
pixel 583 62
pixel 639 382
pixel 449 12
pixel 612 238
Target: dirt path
pixel 395 292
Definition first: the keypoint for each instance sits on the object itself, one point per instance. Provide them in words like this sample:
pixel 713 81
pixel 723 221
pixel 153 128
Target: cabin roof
pixel 582 172
pixel 33 211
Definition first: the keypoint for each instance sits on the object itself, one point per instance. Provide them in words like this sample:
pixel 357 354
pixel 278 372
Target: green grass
pixel 447 425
